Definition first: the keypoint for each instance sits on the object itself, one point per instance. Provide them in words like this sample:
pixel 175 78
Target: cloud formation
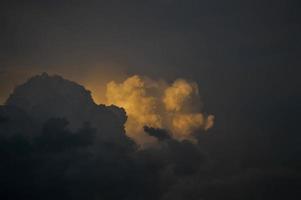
pixel 176 107
pixel 43 156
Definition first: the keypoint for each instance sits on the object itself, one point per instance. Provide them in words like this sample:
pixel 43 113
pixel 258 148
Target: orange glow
pixel 155 103
pixel 175 107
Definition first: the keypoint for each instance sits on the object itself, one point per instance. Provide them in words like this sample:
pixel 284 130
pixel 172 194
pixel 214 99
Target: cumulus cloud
pixel 140 107
pixel 60 161
pixel 179 94
pixel 176 107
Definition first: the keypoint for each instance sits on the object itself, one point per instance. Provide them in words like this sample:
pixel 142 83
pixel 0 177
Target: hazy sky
pixel 244 55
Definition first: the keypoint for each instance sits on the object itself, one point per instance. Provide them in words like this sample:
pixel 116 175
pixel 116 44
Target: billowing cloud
pixel 178 94
pixel 50 159
pixel 176 107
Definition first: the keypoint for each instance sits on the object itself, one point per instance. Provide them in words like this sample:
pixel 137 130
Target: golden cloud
pixel 175 107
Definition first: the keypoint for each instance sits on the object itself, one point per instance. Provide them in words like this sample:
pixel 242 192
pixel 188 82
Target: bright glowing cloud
pixel 176 107
pixel 177 95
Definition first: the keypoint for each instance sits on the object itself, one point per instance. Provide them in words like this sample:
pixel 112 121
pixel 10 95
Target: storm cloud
pixel 56 143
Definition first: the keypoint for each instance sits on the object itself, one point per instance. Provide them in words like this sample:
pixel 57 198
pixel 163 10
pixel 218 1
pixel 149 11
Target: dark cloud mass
pixel 160 134
pixel 56 143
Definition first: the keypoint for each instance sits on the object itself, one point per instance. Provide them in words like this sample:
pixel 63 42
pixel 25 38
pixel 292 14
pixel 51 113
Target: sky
pixel 243 55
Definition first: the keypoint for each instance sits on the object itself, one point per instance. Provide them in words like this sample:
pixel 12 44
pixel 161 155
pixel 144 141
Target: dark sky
pixel 245 56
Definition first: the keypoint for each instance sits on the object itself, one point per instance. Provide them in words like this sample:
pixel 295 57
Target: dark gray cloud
pixel 44 156
pixel 160 134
